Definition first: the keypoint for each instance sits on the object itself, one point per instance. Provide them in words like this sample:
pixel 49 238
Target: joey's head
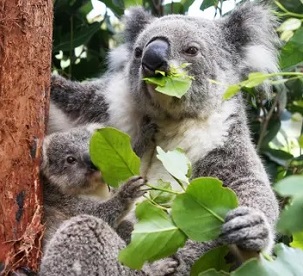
pixel 224 50
pixel 66 162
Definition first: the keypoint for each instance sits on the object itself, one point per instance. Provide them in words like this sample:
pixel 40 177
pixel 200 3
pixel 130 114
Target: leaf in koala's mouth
pixel 175 84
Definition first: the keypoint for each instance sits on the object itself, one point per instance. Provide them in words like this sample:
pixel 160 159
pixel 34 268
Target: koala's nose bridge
pixel 88 162
pixel 155 57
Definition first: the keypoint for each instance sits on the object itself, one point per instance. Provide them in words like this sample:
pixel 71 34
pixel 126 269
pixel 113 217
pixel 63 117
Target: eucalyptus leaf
pixel 287 263
pixel 291 24
pixel 255 79
pixel 159 196
pixel 155 236
pixel 201 210
pixel 175 86
pixel 111 152
pixel 214 258
pixel 175 83
pixel 176 163
pixel 231 91
pixel 297 241
pixel 291 186
pixel 290 220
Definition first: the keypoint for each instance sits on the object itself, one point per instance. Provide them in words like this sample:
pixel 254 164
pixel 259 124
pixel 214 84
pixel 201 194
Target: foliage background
pixel 82 37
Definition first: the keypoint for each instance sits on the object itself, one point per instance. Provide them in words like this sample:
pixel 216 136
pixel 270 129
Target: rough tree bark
pixel 25 58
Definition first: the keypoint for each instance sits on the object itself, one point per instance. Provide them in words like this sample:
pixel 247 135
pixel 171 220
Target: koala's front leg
pixel 146 136
pixel 81 102
pixel 113 210
pixel 247 228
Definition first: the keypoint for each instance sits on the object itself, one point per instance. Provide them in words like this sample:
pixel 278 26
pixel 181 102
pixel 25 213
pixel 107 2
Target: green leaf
pixel 159 196
pixel 214 258
pixel 213 272
pixel 201 210
pixel 111 152
pixel 160 81
pixel 297 241
pixel 290 24
pixel 231 91
pixel 175 86
pixel 176 163
pixel 175 83
pixel 291 186
pixel 292 52
pixel 254 79
pixel 155 236
pixel 290 220
pixel 288 263
pixel 130 3
pixel 81 36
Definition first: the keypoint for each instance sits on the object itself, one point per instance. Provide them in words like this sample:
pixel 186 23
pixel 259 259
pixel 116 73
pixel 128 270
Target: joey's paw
pixel 133 188
pixel 247 228
pixel 165 266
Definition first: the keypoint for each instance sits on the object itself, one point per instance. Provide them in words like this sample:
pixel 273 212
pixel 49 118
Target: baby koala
pixel 73 186
pixel 84 231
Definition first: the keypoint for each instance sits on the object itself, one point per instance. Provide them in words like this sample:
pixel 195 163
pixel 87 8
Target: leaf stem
pixel 179 182
pixel 287 12
pixel 163 190
pixel 156 204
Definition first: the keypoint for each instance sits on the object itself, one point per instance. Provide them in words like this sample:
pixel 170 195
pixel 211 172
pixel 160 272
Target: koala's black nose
pixel 88 162
pixel 155 57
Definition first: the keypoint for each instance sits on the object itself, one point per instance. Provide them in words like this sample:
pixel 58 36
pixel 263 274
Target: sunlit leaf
pixel 231 91
pixel 201 210
pixel 214 258
pixel 176 163
pixel 297 241
pixel 155 236
pixel 110 151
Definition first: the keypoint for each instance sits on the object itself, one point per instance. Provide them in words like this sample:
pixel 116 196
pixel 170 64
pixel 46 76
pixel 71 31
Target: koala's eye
pixel 191 51
pixel 71 160
pixel 138 52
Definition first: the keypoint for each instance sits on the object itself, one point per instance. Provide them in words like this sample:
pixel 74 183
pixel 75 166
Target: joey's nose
pixel 155 57
pixel 88 162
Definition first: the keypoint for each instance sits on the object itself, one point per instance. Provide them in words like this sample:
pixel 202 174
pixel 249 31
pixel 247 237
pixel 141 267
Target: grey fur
pixel 67 186
pixel 213 132
pixel 69 208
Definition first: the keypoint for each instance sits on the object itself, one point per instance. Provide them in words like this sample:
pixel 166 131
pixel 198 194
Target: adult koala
pixel 213 133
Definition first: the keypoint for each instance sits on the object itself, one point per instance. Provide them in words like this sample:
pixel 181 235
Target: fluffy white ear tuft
pixel 261 58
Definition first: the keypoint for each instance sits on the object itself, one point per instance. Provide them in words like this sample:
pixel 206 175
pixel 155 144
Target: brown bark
pixel 25 58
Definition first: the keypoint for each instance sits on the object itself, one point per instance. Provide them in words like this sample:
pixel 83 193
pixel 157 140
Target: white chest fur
pixel 195 136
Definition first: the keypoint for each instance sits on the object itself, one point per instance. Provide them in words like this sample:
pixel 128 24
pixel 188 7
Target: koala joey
pixel 72 185
pixel 85 222
pixel 213 132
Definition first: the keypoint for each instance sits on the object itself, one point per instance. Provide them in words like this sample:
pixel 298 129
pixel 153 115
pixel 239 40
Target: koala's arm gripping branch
pixel 82 102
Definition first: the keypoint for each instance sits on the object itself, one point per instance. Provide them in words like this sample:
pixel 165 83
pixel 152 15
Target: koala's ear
pixel 250 30
pixel 135 21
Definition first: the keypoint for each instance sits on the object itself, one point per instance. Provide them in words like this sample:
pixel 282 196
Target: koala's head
pixel 225 50
pixel 66 162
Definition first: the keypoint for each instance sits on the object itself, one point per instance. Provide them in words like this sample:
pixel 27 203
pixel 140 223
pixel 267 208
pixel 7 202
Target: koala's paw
pixel 166 266
pixel 247 228
pixel 132 189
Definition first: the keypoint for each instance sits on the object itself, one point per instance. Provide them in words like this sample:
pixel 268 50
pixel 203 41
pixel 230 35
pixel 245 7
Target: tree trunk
pixel 25 63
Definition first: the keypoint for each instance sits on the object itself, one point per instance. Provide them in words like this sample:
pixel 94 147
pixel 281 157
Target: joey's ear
pixel 250 30
pixel 135 21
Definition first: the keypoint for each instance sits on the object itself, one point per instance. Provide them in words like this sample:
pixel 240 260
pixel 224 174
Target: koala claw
pixel 247 228
pixel 132 189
